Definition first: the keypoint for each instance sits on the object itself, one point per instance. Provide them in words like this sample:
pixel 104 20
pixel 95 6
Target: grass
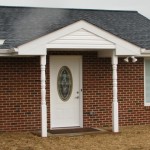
pixel 130 138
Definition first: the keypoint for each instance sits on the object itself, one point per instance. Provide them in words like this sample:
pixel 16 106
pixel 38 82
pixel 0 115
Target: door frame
pixel 80 84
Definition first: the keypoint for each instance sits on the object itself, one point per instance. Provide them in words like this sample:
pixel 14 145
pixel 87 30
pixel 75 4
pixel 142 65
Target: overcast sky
pixel 142 6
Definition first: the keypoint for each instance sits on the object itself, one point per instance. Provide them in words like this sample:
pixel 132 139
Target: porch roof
pixel 19 25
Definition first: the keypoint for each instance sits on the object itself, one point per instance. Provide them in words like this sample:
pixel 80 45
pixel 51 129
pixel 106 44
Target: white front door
pixel 66 91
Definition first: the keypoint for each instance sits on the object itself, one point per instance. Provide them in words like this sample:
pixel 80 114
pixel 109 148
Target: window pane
pixel 64 83
pixel 147 80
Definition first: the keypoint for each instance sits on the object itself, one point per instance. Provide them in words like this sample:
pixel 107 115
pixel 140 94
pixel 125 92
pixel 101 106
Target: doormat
pixel 72 130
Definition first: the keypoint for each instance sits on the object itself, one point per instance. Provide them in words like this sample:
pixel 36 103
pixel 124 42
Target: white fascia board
pixel 39 46
pixel 32 49
pixel 2 41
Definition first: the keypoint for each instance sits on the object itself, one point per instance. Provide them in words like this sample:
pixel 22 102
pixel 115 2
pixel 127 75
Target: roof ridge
pixel 88 9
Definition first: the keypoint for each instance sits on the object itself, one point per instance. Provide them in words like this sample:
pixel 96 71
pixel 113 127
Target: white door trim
pixel 80 84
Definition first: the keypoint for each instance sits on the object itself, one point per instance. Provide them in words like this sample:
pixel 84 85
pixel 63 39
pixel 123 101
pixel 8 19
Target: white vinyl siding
pixel 81 39
pixel 147 82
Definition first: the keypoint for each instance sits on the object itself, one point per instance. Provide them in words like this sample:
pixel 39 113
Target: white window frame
pixel 145 103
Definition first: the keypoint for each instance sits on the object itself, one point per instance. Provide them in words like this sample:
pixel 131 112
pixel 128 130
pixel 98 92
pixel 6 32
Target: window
pixel 64 83
pixel 147 82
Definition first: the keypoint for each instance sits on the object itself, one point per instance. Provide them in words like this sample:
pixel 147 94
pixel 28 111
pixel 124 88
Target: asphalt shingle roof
pixel 19 25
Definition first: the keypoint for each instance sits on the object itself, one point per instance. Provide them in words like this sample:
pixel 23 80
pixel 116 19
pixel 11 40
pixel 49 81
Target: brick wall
pixel 131 94
pixel 20 94
pixel 97 91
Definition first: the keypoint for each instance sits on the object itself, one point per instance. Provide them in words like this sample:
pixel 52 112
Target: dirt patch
pixel 130 138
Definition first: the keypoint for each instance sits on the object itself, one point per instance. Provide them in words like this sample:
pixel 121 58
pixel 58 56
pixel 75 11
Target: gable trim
pixel 39 46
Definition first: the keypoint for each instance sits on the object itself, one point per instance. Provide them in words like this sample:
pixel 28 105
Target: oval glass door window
pixel 64 83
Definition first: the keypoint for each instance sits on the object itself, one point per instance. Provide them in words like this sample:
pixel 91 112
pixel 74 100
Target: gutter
pixel 13 50
pixel 144 51
pixel 8 52
pixel 4 52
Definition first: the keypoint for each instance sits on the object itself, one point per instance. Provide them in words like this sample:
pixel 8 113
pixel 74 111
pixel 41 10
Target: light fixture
pixel 133 59
pixel 126 59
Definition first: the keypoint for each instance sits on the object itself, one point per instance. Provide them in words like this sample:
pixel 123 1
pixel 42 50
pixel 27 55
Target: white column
pixel 115 119
pixel 43 97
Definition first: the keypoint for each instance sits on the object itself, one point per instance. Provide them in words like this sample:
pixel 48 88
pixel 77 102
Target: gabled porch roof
pixel 77 36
